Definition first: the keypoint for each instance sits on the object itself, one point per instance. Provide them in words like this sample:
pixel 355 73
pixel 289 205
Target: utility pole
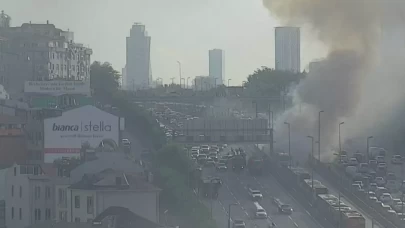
pixel 289 142
pixel 319 136
pixel 179 71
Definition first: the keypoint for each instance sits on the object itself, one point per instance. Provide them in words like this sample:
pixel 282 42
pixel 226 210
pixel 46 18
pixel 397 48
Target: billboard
pixel 57 87
pixel 65 135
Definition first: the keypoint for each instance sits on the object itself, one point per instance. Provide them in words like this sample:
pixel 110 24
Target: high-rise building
pixel 287 47
pixel 217 66
pixel 138 66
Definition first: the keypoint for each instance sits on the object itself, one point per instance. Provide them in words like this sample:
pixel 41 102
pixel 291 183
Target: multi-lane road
pixel 235 191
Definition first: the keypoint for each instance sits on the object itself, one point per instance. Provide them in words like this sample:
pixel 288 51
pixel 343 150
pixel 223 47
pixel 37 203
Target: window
pixel 48 214
pixel 37 214
pixel 77 201
pixel 20 191
pixel 89 204
pixel 77 219
pixel 37 192
pixel 12 213
pixel 20 213
pixel 12 190
pixel 47 192
pixel 62 215
pixel 62 198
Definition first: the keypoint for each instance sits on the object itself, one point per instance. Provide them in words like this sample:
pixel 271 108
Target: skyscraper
pixel 138 67
pixel 217 66
pixel 287 46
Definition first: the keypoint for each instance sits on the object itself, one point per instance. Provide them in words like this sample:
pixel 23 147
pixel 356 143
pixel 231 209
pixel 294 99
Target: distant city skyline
pixel 287 49
pixel 184 33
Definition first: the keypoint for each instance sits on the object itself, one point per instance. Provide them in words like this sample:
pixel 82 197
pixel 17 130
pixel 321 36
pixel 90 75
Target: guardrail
pixel 360 199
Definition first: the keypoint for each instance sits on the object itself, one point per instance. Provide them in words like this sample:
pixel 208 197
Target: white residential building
pixel 138 65
pixel 287 49
pixel 94 193
pixel 29 196
pixel 217 66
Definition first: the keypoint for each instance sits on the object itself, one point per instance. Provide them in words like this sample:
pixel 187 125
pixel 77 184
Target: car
pixel 363 168
pixel 360 183
pixel 380 159
pixel 391 176
pixel 209 162
pixel 372 187
pixel 372 195
pixel 373 164
pixel 357 187
pixel 380 181
pixel 125 142
pixel 255 194
pixel 386 198
pixel 238 223
pixel 221 167
pixel 282 207
pixel 353 162
pixel 396 159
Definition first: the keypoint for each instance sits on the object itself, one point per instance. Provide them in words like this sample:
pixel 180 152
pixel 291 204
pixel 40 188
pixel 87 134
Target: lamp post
pixel 368 147
pixel 289 141
pixel 312 158
pixel 229 214
pixel 179 71
pixel 228 81
pixel 340 152
pixel 319 135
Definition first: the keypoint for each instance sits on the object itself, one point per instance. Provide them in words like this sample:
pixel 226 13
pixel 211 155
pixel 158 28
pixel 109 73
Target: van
pixel 260 213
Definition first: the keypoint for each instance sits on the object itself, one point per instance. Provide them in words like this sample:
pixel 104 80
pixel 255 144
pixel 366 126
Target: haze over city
pixel 181 30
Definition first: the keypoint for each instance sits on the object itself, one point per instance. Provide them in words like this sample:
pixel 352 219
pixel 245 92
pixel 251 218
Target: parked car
pixel 396 159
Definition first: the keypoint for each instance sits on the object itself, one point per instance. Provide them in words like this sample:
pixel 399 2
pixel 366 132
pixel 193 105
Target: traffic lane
pixel 369 222
pixel 271 189
pixel 219 215
pixel 246 205
pixel 226 196
pixel 136 145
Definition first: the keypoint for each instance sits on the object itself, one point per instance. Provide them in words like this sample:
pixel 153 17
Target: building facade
pixel 29 196
pixel 138 65
pixel 287 49
pixel 217 66
pixel 203 83
pixel 37 52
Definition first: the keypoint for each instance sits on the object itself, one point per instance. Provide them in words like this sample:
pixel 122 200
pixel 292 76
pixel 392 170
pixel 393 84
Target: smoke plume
pixel 340 84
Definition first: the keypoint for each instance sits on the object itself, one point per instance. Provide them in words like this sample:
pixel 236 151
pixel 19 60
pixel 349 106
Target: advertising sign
pixel 57 87
pixel 65 135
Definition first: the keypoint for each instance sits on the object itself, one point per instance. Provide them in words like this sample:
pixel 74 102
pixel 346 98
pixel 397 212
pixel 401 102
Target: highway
pixel 235 190
pixel 369 220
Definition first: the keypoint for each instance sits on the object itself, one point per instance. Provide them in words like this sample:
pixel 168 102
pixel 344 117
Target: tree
pixel 103 79
pixel 266 82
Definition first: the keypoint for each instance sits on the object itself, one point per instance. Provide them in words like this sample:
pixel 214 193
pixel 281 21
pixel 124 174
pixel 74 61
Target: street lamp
pixel 179 71
pixel 312 158
pixel 289 142
pixel 340 143
pixel 229 214
pixel 368 147
pixel 340 152
pixel 319 135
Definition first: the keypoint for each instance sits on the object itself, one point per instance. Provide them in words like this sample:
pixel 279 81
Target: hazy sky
pixel 180 29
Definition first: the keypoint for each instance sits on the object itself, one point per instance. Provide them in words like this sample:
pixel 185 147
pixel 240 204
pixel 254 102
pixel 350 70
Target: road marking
pixel 295 224
pixel 246 213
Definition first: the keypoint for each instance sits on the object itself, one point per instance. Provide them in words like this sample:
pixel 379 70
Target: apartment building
pixel 29 196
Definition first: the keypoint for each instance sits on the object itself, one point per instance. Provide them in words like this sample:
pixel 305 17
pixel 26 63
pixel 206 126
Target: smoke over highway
pixel 348 83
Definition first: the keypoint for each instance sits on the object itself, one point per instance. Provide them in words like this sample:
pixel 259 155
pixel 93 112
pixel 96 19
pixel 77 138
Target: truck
pixel 255 165
pixel 209 187
pixel 238 162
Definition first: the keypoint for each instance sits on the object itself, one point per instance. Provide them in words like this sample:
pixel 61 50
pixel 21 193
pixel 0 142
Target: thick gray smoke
pixel 340 84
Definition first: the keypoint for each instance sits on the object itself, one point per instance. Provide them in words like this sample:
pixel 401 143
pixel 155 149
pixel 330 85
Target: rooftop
pixel 110 179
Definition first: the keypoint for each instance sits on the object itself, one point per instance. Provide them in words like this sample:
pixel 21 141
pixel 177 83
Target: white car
pixel 125 142
pixel 396 159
